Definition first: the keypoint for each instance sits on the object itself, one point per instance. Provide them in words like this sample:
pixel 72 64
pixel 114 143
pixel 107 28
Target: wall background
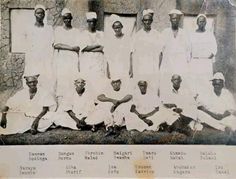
pixel 12 64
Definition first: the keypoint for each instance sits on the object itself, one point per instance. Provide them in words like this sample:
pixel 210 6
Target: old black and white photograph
pixel 117 72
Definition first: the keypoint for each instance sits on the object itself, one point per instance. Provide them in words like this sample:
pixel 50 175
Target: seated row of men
pixel 139 109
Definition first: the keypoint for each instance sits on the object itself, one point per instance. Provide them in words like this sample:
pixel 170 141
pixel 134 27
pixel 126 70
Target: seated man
pixel 76 109
pixel 115 102
pixel 145 103
pixel 217 109
pixel 179 107
pixel 28 109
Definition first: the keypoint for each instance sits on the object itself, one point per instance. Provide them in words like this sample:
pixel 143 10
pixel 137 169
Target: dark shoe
pixel 163 127
pixel 109 131
pixel 116 131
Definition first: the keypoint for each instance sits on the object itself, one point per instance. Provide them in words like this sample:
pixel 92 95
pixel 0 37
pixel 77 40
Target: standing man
pixel 146 48
pixel 176 51
pixel 204 49
pixel 92 59
pixel 217 108
pixel 117 49
pixel 66 49
pixel 38 59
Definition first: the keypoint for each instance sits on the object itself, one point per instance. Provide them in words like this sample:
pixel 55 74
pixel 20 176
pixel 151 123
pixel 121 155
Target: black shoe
pixel 116 131
pixel 109 131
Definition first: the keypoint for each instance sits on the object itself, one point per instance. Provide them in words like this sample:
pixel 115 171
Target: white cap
pixel 65 11
pixel 218 76
pixel 39 6
pixel 91 15
pixel 175 11
pixel 201 15
pixel 115 18
pixel 148 12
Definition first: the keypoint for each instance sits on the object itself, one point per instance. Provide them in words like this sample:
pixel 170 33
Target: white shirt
pixel 176 51
pixel 203 44
pixel 145 103
pixel 217 104
pixel 117 52
pixel 146 49
pixel 21 102
pixel 182 99
pixel 39 52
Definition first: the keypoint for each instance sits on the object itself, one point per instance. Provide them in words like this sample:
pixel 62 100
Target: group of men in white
pixel 147 81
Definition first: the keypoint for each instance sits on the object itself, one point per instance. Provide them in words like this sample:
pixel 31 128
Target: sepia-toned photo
pixel 117 72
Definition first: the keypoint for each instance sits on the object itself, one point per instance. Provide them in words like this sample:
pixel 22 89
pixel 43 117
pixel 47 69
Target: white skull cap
pixel 115 18
pixel 175 11
pixel 65 11
pixel 218 76
pixel 148 12
pixel 91 15
pixel 39 6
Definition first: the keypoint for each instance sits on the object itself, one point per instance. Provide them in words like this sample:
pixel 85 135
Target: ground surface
pixel 67 136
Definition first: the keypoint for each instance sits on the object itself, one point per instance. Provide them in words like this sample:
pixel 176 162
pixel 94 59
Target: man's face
pixel 147 21
pixel 201 22
pixel 176 81
pixel 31 82
pixel 80 84
pixel 116 85
pixel 92 24
pixel 174 19
pixel 117 27
pixel 67 18
pixel 218 85
pixel 39 15
pixel 142 87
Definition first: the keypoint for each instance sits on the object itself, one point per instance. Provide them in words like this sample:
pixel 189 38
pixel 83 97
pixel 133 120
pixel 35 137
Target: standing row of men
pixel 150 62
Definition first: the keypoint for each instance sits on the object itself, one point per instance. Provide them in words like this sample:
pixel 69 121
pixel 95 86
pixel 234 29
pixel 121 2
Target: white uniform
pixel 146 49
pixel 176 56
pixel 218 105
pixel 203 45
pixel 92 64
pixel 119 115
pixel 23 111
pixel 144 104
pixel 83 106
pixel 66 62
pixel 39 55
pixel 182 99
pixel 117 54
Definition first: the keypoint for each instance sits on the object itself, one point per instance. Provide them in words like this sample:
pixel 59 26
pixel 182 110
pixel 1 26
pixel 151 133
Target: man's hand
pixel 113 108
pixel 76 49
pixel 178 110
pixel 202 108
pixel 4 121
pixel 226 114
pixel 148 122
pixel 170 105
pixel 211 56
pixel 133 108
pixel 34 126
